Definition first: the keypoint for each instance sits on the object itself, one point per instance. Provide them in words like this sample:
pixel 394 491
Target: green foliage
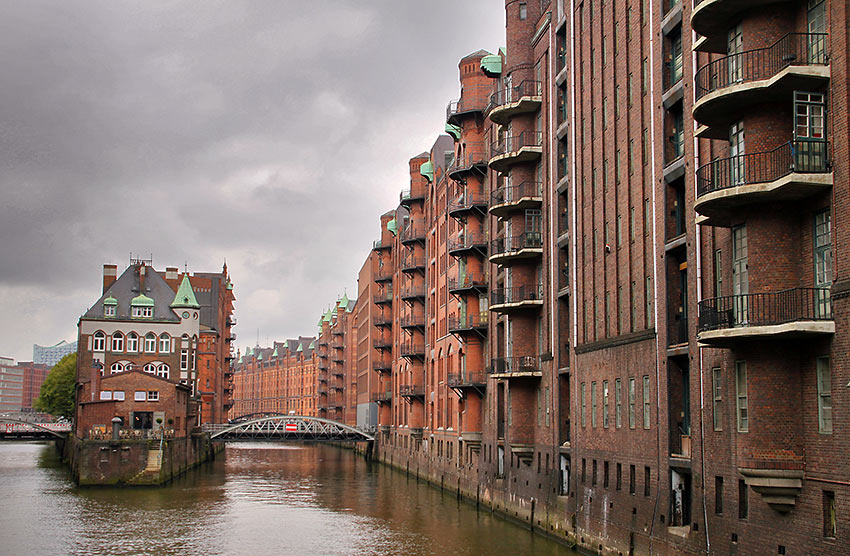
pixel 57 392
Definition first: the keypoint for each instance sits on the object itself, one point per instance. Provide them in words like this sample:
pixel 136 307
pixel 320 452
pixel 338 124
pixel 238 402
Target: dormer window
pixel 109 311
pixel 143 312
pixel 141 306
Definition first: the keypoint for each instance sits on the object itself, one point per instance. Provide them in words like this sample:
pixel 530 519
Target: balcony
pixel 338 372
pixel 468 323
pixel 527 195
pixel 469 379
pixel 411 195
pixel 382 397
pixel 471 159
pixel 729 86
pixel 323 366
pixel 412 390
pixel 791 314
pixel 472 102
pixel 382 366
pixel 383 275
pixel 508 250
pixel 468 282
pixel 516 149
pixel 526 366
pixel 378 245
pixel 415 320
pixel 383 298
pixel 507 300
pixel 412 350
pixel 412 262
pixel 412 234
pixel 383 344
pixel 323 379
pixel 463 243
pixel 512 101
pixel 413 292
pixel 382 321
pixel 468 202
pixel 338 358
pixel 713 18
pixel 790 172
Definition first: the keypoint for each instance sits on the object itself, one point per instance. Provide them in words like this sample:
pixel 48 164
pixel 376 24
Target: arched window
pixel 117 342
pixel 132 342
pixel 117 368
pixel 150 343
pixel 163 370
pixel 150 368
pixel 164 343
pixel 99 343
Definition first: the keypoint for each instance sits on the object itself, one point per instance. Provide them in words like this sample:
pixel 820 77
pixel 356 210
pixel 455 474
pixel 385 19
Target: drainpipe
pixel 572 200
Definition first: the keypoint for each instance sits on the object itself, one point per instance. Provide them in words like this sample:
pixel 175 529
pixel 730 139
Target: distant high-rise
pixel 50 355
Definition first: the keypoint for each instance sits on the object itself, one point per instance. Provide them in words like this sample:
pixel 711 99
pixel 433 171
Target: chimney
pixel 141 278
pixel 110 274
pixel 172 277
pixel 96 367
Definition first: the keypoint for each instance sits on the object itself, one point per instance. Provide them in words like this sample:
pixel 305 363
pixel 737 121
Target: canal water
pixel 256 500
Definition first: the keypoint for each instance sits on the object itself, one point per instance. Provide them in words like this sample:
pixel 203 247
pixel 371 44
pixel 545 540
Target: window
pixel 675 64
pixel 99 342
pixel 523 10
pixel 105 395
pixel 718 273
pixel 109 310
pixel 717 398
pixel 619 476
pixel 163 370
pixel 647 481
pixel 646 401
pixel 583 405
pixel 605 475
pixel 118 395
pixel 116 368
pixel 150 368
pixel 823 263
pixel 741 393
pixel 143 312
pixel 132 342
pixel 184 359
pixel 743 502
pixel 737 160
pixel 824 396
pixel 140 396
pixel 718 495
pixel 734 48
pixel 164 343
pixel 593 476
pixel 829 518
pixel 632 478
pixel 153 396
pixel 605 409
pixel 150 343
pixel 618 402
pixel 593 404
pixel 631 403
pixel 117 342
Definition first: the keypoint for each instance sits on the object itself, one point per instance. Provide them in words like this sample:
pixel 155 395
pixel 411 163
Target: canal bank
pixel 136 462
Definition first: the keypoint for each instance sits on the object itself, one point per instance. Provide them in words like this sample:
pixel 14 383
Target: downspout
pixel 573 220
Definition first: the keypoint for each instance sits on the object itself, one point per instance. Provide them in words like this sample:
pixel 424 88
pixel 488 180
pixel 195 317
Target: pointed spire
pixel 185 297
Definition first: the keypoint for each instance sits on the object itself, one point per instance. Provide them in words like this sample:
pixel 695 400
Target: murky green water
pixel 256 499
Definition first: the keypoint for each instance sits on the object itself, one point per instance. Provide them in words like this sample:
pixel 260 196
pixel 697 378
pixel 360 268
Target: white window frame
pixel 98 341
pixel 106 395
pixel 153 395
pixel 150 343
pixel 742 400
pixel 109 310
pixel 824 379
pixel 164 343
pixel 116 342
pixel 118 395
pixel 140 396
pixel 116 368
pixel 132 342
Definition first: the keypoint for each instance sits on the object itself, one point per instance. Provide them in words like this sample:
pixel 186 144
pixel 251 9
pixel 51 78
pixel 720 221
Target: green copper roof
pixel 274 353
pixel 248 351
pixel 312 345
pixel 185 298
pixel 141 301
pixel 454 131
pixel 229 285
pixel 492 65
pixel 110 301
pixel 299 349
pixel 427 170
pixel 344 301
pixel 392 226
pixel 328 316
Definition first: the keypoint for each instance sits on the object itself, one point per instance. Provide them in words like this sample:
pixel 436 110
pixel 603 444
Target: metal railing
pixel 516 294
pixel 409 349
pixel 409 292
pixel 412 320
pixel 385 396
pixel 468 378
pixel 381 343
pixel 467 200
pixel 526 189
pixel 413 233
pixel 467 280
pixel 513 143
pixel 473 153
pixel 468 322
pixel 794 49
pixel 763 167
pixel 412 261
pixel 467 240
pixel 765 309
pixel 411 194
pixel 521 364
pixel 412 389
pixel 510 244
pixel 383 297
pixel 473 99
pixel 382 366
pixel 383 274
pixel 508 95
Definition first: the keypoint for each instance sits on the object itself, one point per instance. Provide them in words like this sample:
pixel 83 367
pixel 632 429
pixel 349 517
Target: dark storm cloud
pixel 268 133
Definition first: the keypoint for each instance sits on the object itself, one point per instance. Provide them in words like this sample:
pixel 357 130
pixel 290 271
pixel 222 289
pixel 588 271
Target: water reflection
pixel 258 499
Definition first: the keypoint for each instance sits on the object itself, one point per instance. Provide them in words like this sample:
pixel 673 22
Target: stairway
pixel 150 474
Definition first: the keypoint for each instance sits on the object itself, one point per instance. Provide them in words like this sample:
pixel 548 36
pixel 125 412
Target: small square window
pixel 140 396
pixel 153 396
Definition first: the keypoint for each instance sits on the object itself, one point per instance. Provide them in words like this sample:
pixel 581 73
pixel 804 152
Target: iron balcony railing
pixel 468 200
pixel 323 366
pixel 377 244
pixel 467 378
pixel 412 390
pixel 468 240
pixel 794 49
pixel 765 309
pixel 511 244
pixel 467 281
pixel 513 193
pixel 381 343
pixel 383 297
pixel 515 93
pixel 412 320
pixel 411 194
pixel 382 366
pixel 412 261
pixel 513 143
pixel 410 292
pixel 762 167
pixel 473 99
pixel 472 154
pixel 516 294
pixel 383 275
pixel 409 349
pixel 413 233
pixel 521 364
pixel 468 322
pixel 381 397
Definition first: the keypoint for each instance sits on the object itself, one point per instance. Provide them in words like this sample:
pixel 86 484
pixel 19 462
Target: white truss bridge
pixel 292 428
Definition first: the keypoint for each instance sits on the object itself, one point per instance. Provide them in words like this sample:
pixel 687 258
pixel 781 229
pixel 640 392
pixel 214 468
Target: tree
pixel 57 392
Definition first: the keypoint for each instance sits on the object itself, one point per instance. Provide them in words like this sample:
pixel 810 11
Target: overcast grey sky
pixel 269 133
